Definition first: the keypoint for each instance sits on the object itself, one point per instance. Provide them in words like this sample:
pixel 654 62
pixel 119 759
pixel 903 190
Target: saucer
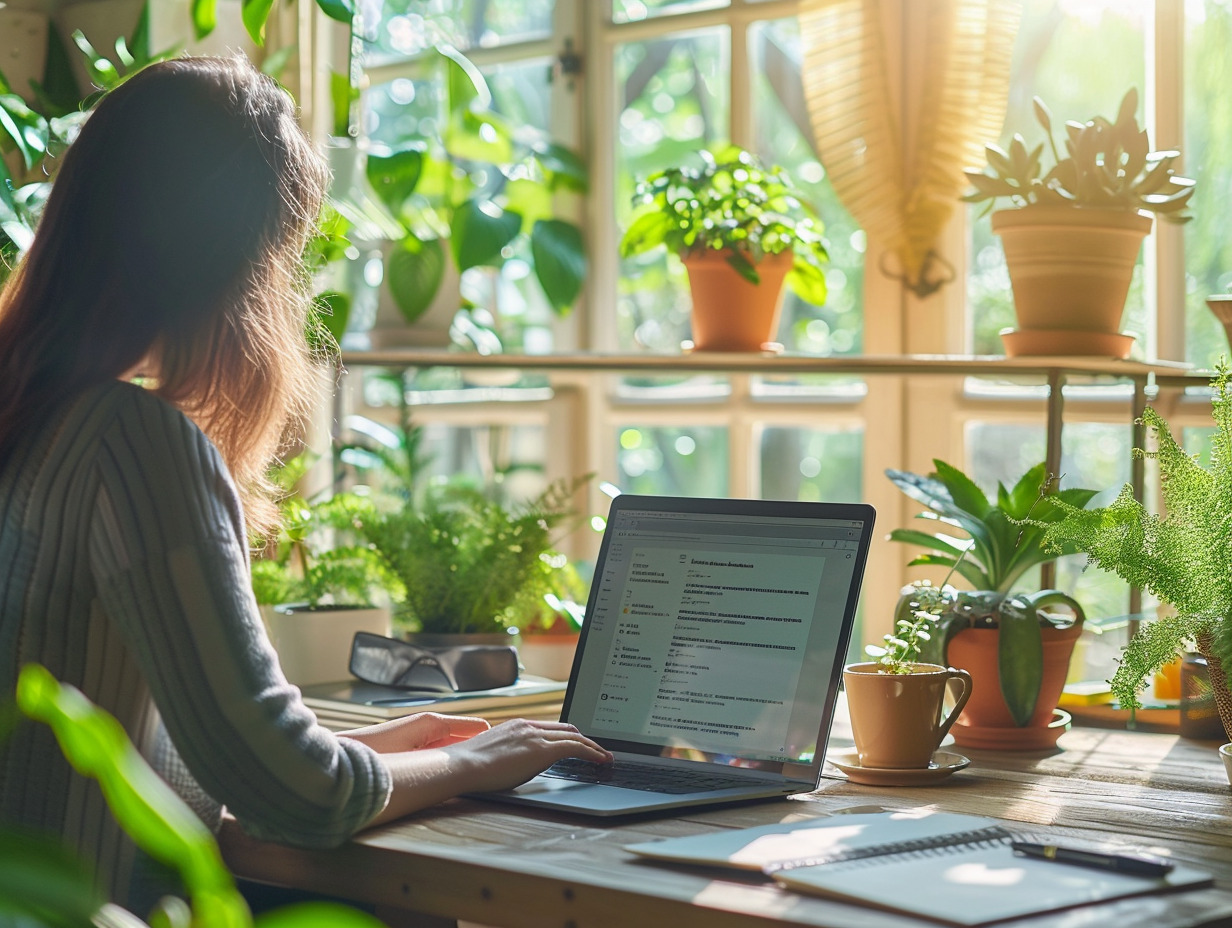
pixel 943 764
pixel 1031 738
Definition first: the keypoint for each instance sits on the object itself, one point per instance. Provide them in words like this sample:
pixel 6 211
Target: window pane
pixel 1095 456
pixel 508 299
pixel 625 11
pixel 1080 57
pixel 1208 236
pixel 675 93
pixel 784 137
pixel 812 465
pixel 408 27
pixel 673 461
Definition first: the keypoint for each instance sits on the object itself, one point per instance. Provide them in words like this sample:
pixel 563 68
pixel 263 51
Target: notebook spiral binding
pixel 988 836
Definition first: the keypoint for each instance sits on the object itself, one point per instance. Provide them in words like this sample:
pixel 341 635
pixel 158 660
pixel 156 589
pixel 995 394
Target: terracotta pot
pixel 549 655
pixel 729 313
pixel 1070 269
pixel 976 649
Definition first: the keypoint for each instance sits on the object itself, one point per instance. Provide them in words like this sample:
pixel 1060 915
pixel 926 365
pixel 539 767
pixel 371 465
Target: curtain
pixel 899 169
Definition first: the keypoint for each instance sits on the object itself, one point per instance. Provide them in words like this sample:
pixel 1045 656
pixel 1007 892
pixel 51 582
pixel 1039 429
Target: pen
pixel 1139 864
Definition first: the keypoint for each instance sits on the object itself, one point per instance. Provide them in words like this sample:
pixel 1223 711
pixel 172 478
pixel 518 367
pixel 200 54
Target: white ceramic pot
pixel 314 644
pixel 1225 752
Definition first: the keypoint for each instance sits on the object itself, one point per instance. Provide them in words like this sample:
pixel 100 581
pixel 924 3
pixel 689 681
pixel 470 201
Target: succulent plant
pixel 1107 165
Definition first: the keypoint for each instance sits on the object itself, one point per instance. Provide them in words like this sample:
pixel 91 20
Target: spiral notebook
pixel 949 868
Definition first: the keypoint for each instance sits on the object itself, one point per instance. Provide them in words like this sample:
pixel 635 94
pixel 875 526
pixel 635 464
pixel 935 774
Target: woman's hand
pixel 488 759
pixel 514 751
pixel 418 731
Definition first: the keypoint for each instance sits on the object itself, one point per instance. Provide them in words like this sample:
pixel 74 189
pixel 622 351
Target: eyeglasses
pixel 397 663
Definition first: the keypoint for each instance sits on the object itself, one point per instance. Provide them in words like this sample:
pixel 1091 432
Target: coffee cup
pixel 897 719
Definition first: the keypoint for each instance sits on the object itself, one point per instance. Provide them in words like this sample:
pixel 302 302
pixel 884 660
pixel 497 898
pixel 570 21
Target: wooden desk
pixel 499 866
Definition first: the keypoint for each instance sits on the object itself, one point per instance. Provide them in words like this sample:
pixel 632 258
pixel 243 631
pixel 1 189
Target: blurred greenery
pixel 43 886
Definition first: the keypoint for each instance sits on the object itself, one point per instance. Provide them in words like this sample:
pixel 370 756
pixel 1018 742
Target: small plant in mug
pixel 920 606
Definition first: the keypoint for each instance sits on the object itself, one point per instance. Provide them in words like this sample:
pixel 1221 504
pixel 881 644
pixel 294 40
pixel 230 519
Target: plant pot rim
pixel 918 668
pixel 1038 214
pixel 294 608
pixel 716 256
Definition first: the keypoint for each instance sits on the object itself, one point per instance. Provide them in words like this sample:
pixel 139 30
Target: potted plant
pixel 466 564
pixel 1016 648
pixel 1073 232
pixel 896 701
pixel 315 589
pixel 462 198
pixel 1183 557
pixel 550 631
pixel 741 229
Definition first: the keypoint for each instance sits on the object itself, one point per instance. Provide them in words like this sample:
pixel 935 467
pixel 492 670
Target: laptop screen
pixel 717 629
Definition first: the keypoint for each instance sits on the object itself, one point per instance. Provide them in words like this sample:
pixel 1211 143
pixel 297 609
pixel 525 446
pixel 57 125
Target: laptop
pixel 711 655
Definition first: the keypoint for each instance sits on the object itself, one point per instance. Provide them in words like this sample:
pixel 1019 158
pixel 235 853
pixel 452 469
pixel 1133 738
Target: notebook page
pixel 975 885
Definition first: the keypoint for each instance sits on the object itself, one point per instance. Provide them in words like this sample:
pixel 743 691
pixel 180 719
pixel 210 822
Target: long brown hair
pixel 174 229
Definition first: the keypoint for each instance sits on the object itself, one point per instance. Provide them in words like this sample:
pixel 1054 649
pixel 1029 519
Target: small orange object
pixel 1168 681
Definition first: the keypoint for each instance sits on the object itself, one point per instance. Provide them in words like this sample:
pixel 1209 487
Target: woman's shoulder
pixel 133 422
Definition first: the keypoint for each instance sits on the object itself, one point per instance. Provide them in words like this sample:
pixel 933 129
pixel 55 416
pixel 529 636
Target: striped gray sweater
pixel 123 570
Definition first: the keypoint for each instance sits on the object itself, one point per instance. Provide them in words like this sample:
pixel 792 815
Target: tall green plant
pixel 1183 557
pixel 54 890
pixel 1000 545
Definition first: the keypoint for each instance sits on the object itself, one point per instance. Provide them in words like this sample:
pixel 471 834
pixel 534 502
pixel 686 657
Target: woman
pixel 170 249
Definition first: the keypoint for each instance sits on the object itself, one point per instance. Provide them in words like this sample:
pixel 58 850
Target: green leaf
pixel 204 17
pixel 1020 658
pixel 566 166
pixel 333 310
pixel 393 177
pixel 413 275
pixel 807 282
pixel 341 10
pixel 317 915
pixel 463 81
pixel 966 496
pixel 255 13
pixel 139 41
pixel 101 71
pixel 531 199
pixel 479 231
pixel 647 231
pixel 275 63
pixel 25 127
pixel 482 137
pixel 560 261
pixel 341 95
pixel 43 882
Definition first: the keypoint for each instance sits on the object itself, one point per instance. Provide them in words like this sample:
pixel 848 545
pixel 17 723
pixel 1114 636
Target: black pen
pixel 1138 864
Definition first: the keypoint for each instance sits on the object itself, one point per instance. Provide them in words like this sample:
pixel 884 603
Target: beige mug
pixel 896 718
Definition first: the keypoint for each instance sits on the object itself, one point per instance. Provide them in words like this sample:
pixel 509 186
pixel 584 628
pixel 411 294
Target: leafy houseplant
pixel 1094 202
pixel 738 213
pixel 999 548
pixel 471 192
pixel 467 563
pixel 1184 558
pixel 317 586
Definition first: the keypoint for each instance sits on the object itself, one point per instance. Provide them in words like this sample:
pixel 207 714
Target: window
pixel 658 79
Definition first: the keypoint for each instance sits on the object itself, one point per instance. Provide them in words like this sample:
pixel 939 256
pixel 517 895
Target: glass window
pixel 686 461
pixel 784 137
pixel 1208 114
pixel 675 99
pixel 626 11
pixel 408 27
pixel 812 464
pixel 1080 57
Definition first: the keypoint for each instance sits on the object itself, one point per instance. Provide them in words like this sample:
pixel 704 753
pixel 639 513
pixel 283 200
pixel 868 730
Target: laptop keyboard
pixel 646 777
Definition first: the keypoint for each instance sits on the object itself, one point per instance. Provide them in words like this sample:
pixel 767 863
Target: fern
pixel 1183 558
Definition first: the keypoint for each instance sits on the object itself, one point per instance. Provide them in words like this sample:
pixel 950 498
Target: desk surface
pixel 505 867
